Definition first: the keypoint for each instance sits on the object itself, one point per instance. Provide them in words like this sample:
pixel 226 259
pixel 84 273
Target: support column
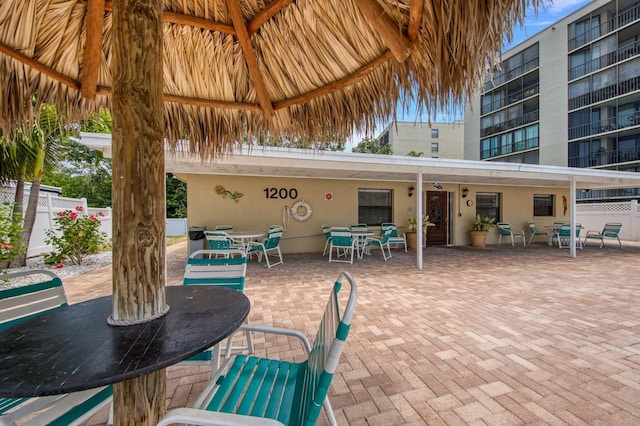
pixel 138 192
pixel 419 214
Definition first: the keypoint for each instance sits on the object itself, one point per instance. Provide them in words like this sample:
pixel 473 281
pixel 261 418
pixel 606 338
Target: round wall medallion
pixel 469 203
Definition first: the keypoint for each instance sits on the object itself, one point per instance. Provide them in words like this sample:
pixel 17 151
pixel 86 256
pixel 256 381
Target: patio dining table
pixel 245 238
pixel 361 241
pixel 74 348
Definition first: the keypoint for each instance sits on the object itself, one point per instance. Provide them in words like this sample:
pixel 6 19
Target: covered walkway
pixel 489 336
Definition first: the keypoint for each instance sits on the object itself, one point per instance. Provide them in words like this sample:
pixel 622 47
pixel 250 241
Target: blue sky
pixel 548 14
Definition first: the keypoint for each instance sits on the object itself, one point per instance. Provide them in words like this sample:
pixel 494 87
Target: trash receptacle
pixel 197 238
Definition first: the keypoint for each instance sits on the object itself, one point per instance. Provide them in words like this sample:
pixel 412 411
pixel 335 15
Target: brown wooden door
pixel 437 209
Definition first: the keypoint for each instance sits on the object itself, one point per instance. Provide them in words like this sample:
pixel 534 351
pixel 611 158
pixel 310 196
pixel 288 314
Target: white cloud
pixel 534 23
pixel 559 6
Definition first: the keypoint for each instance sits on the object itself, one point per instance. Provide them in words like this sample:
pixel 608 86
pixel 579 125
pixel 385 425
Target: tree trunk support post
pixel 139 274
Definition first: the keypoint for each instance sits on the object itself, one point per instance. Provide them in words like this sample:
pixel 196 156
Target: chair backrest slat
pixel 392 226
pixel 228 272
pixel 273 238
pixel 341 237
pixel 612 229
pixel 504 228
pixel 19 303
pixel 326 350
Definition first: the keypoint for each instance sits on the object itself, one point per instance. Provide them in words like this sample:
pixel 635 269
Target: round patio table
pixel 361 241
pixel 245 238
pixel 73 348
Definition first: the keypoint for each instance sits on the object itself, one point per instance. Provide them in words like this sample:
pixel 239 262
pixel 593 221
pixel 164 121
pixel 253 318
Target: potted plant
pixel 413 228
pixel 480 230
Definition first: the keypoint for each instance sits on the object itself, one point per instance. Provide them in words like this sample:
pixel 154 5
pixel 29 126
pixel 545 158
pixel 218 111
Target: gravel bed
pixel 91 262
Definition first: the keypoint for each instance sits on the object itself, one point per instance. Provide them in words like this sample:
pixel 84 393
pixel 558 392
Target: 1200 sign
pixel 281 193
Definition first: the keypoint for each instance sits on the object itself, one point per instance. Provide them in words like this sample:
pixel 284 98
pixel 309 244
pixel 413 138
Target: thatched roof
pixel 307 68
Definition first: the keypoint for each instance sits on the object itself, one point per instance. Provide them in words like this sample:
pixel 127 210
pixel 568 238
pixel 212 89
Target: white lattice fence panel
pixel 623 208
pixel 595 216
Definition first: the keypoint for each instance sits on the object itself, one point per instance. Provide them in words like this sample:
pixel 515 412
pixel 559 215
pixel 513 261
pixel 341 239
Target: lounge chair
pixel 610 230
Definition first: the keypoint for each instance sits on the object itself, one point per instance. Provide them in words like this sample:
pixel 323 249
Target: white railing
pixel 595 215
pixel 49 205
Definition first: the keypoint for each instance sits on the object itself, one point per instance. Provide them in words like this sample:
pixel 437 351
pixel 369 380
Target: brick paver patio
pixel 496 336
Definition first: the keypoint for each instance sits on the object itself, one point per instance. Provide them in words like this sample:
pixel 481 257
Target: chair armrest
pixel 268 330
pixel 595 233
pixel 213 418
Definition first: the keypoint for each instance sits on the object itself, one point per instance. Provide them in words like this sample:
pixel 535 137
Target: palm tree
pixel 27 154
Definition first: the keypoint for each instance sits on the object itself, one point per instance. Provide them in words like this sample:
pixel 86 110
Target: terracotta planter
pixel 412 240
pixel 478 238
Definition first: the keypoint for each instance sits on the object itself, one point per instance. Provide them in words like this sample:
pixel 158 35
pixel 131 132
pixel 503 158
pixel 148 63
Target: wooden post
pixel 138 192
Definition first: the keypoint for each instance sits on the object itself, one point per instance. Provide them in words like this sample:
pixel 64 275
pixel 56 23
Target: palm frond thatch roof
pixel 305 68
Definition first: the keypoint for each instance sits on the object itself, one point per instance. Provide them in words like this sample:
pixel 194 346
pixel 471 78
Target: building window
pixel 488 204
pixel 434 146
pixel 434 133
pixel 383 140
pixel 374 206
pixel 543 204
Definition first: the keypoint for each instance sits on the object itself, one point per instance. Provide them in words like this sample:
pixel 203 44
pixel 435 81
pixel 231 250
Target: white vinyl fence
pixel 49 205
pixel 594 216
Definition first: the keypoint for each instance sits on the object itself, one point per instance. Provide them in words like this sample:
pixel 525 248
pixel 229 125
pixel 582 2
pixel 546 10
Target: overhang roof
pixel 302 163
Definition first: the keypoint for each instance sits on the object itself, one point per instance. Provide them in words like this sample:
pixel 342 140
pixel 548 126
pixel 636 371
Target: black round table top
pixel 73 348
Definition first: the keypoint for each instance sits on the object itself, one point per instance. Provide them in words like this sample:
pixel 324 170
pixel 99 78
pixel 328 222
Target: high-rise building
pixel 568 96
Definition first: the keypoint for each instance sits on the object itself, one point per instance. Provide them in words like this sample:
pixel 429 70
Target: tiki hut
pixel 218 71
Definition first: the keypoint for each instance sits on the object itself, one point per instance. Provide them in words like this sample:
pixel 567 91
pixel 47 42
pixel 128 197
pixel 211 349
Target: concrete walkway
pixel 495 336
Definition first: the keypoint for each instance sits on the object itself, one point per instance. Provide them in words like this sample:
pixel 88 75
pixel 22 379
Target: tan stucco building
pixel 346 188
pixel 432 140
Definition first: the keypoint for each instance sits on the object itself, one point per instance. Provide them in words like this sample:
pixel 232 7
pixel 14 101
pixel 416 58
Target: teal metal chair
pixel 555 230
pixel 563 236
pixel 326 231
pixel 395 238
pixel 535 232
pixel 382 242
pixel 610 230
pixel 341 240
pixel 228 271
pixel 18 304
pixel 218 242
pixel 505 230
pixel 269 244
pixel 250 390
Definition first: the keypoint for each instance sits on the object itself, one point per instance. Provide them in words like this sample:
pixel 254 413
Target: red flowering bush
pixel 73 237
pixel 10 242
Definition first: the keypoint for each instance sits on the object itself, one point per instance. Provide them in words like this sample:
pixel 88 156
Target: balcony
pixel 622 53
pixel 497 80
pixel 605 157
pixel 513 97
pixel 608 92
pixel 511 148
pixel 603 126
pixel 524 119
pixel 623 18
